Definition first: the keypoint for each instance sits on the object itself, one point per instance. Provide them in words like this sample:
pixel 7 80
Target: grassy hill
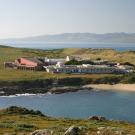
pixel 16 120
pixel 10 54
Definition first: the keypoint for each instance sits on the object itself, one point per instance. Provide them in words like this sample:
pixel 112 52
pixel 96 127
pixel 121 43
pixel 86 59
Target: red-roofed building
pixel 29 63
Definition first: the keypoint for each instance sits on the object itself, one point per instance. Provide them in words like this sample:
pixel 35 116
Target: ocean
pixel 81 104
pixel 44 46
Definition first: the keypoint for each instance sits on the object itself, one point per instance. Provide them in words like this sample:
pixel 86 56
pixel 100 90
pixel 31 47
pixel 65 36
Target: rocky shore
pixel 60 90
pixel 40 86
pixel 16 90
pixel 8 91
pixel 59 86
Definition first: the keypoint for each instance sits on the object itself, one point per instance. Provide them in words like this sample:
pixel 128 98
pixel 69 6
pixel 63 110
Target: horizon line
pixel 66 33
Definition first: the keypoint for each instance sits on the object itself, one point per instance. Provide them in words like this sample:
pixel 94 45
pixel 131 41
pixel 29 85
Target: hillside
pixel 10 54
pixel 17 120
pixel 78 37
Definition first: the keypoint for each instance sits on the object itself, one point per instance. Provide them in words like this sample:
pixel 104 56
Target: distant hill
pixel 76 37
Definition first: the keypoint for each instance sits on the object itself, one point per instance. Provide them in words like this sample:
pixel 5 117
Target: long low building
pixel 85 69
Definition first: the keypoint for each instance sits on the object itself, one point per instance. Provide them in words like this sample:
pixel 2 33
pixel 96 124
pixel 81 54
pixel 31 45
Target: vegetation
pixel 10 54
pixel 45 85
pixel 17 122
pixel 19 110
pixel 75 62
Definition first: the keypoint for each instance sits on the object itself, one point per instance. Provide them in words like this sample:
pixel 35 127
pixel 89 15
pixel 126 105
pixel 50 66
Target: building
pixel 78 69
pixel 26 63
pixel 53 61
pixel 127 68
pixel 88 69
pixel 101 62
pixel 58 66
pixel 69 58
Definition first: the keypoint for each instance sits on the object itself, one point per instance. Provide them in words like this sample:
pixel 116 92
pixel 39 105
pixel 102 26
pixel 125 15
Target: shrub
pixel 20 110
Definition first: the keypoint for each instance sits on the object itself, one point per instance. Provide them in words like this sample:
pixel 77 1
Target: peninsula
pixel 105 71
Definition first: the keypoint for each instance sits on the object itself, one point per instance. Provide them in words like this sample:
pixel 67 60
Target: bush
pixel 25 126
pixel 70 81
pixel 128 78
pixel 20 110
pixel 75 62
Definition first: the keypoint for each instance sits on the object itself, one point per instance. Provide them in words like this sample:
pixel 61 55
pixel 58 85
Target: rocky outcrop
pixel 42 132
pixel 74 130
pixel 110 131
pixel 98 118
pixel 60 90
pixel 21 111
pixel 40 87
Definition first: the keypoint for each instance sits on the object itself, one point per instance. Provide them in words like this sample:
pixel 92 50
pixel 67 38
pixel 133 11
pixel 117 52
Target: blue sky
pixel 22 18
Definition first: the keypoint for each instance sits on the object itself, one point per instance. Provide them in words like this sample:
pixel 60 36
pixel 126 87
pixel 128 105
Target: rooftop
pixel 34 59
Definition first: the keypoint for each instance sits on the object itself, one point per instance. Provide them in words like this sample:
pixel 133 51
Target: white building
pixel 54 61
pixel 125 67
pixel 89 69
pixel 69 58
pixel 57 66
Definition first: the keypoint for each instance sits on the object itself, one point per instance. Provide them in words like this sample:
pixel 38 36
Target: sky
pixel 24 18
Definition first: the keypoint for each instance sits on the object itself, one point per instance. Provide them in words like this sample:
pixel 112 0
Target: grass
pixel 18 75
pixel 15 123
pixel 10 54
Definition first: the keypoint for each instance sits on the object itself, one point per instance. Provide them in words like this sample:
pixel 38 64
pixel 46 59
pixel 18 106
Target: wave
pixel 27 94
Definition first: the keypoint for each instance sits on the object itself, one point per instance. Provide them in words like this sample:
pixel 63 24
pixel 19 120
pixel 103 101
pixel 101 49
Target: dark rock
pixel 98 118
pixel 21 110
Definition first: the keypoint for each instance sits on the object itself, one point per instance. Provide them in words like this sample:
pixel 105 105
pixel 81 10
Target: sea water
pixel 81 104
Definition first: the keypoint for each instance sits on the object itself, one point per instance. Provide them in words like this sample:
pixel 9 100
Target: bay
pixel 46 46
pixel 82 104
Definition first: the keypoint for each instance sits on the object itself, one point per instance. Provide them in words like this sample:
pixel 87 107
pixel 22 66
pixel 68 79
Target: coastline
pixel 114 87
pixel 35 121
pixel 53 90
pixel 66 89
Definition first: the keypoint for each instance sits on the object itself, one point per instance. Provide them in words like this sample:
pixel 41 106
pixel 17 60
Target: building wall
pixel 84 70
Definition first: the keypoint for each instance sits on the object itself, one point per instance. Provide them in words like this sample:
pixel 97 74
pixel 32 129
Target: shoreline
pixel 113 87
pixel 66 89
pixel 54 90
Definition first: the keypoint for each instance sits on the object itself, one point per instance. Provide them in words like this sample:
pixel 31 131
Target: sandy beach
pixel 120 87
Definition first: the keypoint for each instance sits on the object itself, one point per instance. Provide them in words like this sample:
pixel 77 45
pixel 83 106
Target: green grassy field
pixel 25 121
pixel 10 54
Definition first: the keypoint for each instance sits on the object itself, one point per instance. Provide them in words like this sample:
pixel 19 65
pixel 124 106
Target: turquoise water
pixel 82 104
